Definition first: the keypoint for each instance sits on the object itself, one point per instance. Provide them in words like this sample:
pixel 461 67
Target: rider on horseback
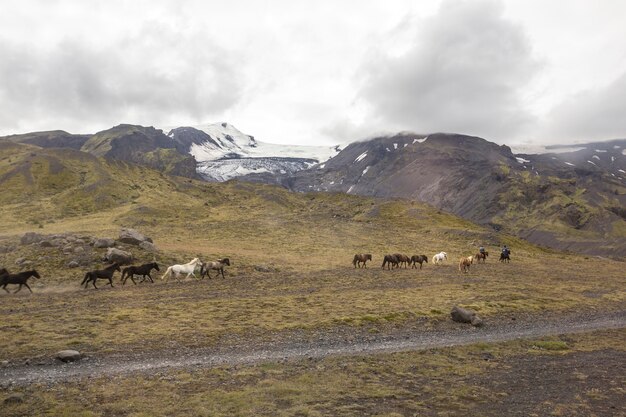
pixel 505 251
pixel 481 249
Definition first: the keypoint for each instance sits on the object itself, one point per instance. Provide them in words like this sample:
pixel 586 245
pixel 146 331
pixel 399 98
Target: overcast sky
pixel 318 72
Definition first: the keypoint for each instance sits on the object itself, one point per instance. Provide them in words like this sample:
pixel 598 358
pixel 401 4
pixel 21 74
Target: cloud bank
pixel 153 75
pixel 465 71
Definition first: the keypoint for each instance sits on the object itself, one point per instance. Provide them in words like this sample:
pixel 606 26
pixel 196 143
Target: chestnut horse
pixel 481 255
pixel 402 259
pixel 361 258
pixel 465 262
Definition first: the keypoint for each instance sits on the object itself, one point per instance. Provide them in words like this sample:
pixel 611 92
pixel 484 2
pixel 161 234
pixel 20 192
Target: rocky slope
pixel 573 200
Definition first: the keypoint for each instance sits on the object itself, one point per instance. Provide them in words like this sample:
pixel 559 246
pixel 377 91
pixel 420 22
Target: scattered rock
pixel 104 243
pixel 73 264
pixel 46 244
pixel 20 261
pixel 118 256
pixel 463 315
pixel 262 268
pixel 4 364
pixel 132 237
pixel 79 249
pixel 30 238
pixel 15 398
pixel 148 246
pixel 68 355
pixel 6 249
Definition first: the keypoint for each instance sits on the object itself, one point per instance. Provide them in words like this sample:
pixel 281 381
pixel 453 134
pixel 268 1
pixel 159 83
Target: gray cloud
pixel 590 115
pixel 464 72
pixel 155 74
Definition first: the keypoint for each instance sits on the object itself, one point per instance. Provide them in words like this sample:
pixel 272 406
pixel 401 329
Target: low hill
pixel 50 139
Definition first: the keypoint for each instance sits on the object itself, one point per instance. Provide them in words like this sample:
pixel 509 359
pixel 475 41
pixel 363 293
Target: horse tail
pixel 168 271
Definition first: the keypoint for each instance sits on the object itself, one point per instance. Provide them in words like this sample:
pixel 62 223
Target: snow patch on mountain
pixel 228 153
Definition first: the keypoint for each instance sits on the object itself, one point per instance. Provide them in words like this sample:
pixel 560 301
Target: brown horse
pixel 418 259
pixel 465 262
pixel 481 255
pixel 402 259
pixel 216 266
pixel 361 258
pixel 390 261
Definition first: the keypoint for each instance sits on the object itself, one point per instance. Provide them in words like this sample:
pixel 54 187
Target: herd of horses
pixel 21 278
pixel 397 260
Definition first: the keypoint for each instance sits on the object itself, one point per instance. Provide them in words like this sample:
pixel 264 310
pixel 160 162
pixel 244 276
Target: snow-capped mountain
pixel 223 152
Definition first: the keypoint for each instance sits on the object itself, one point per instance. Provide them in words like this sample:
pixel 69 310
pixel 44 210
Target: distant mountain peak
pixel 224 152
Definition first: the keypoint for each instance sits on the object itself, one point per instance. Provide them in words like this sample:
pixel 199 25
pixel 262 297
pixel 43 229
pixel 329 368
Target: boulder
pixel 132 237
pixel 104 243
pixel 148 246
pixel 73 264
pixel 20 261
pixel 68 355
pixel 118 256
pixel 30 238
pixel 463 315
pixel 6 249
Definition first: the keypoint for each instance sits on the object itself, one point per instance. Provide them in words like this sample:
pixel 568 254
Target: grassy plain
pixel 291 271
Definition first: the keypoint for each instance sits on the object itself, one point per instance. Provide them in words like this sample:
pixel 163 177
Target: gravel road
pixel 295 346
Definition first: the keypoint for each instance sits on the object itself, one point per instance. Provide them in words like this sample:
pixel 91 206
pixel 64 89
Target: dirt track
pixel 299 345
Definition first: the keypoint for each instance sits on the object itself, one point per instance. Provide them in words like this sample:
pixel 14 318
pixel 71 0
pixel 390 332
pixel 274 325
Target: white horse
pixel 187 268
pixel 439 258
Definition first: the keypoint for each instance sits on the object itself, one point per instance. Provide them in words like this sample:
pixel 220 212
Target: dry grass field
pixel 291 272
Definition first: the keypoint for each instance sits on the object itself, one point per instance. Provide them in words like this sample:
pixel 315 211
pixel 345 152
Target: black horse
pixel 390 261
pixel 19 278
pixel 143 270
pixel 106 273
pixel 504 256
pixel 418 259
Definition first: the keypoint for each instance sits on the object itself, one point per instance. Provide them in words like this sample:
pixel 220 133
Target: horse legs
pixel 94 284
pixel 4 287
pixel 31 291
pixel 222 271
pixel 111 281
pixel 18 290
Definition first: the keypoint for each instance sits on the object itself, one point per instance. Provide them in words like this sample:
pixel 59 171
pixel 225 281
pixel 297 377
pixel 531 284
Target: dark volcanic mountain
pixel 141 145
pixel 572 200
